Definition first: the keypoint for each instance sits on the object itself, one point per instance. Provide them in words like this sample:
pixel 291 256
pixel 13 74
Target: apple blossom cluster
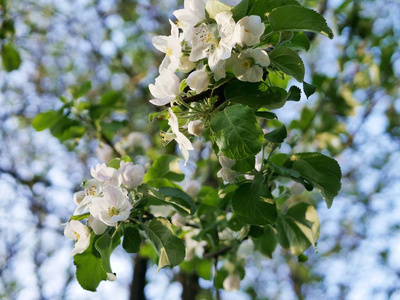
pixel 104 201
pixel 208 44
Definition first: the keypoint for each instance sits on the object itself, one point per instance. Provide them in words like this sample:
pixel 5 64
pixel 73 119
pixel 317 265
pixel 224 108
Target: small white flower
pixel 194 247
pixel 226 162
pixel 112 208
pixel 132 175
pixel 249 30
pixel 106 174
pixel 192 13
pixel 245 249
pixel 231 283
pixel 178 221
pixel 160 210
pixel 105 152
pixel 227 175
pixel 171 46
pixel 198 81
pixel 165 89
pixel 184 143
pixel 226 234
pixel 249 65
pixel 98 226
pixel 78 232
pixel 193 188
pixel 196 127
pixel 93 188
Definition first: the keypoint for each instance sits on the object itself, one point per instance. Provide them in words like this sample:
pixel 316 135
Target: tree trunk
pixel 190 285
pixel 139 278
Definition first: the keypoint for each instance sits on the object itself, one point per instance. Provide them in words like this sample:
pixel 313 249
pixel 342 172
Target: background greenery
pixel 47 47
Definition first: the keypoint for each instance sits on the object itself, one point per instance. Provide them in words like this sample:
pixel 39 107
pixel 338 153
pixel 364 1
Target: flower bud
pixel 132 175
pixel 111 276
pixel 226 162
pixel 196 127
pixel 198 81
pixel 232 283
pixel 78 197
pixel 178 220
pixel 227 175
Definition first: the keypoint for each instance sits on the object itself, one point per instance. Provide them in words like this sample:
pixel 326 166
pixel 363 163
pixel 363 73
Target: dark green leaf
pixel 89 271
pixel 170 248
pixel 166 166
pixel 11 57
pixel 262 7
pixel 244 165
pixel 177 198
pixel 266 115
pixel 308 89
pixel 45 120
pixel 298 229
pixel 298 18
pixel 240 10
pixel 299 41
pixel 253 203
pixel 236 132
pixel 266 243
pixel 132 239
pixel 105 245
pixel 294 93
pixel 277 136
pixel 288 61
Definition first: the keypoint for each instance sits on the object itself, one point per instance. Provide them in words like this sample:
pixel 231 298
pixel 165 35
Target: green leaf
pixel 321 171
pixel 78 91
pixel 298 18
pixel 253 203
pixel 110 98
pixel 11 57
pixel 162 182
pixel 166 166
pixel 277 136
pixel 309 89
pixel 79 217
pixel 170 248
pixel 298 229
pixel 299 41
pixel 263 7
pixel 244 165
pixel 177 198
pixel 294 93
pixel 45 120
pixel 288 61
pixel 236 132
pixel 266 115
pixel 240 10
pixel 267 242
pixel 255 95
pixel 115 163
pixel 204 269
pixel 132 239
pixel 106 245
pixel 89 270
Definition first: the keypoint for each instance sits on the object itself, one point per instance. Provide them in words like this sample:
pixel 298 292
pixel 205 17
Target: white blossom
pixel 193 12
pixel 111 276
pixel 105 152
pixel 106 174
pixel 198 81
pixel 216 41
pixel 178 220
pixel 160 210
pixel 226 162
pixel 184 143
pixel 194 247
pixel 171 46
pixel 248 30
pixel 112 208
pixel 249 65
pixel 132 175
pixel 79 196
pixel 98 226
pixel 297 188
pixel 78 232
pixel 227 175
pixel 165 89
pixel 93 188
pixel 196 127
pixel 214 7
pixel 231 283
pixel 185 65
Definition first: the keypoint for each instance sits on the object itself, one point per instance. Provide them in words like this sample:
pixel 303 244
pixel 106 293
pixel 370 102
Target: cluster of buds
pixel 105 200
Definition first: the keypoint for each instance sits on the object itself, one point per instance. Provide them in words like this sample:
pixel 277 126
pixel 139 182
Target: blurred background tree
pixel 96 57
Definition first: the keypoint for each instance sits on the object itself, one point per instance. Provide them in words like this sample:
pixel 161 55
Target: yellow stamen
pixel 246 64
pixel 168 51
pixel 113 211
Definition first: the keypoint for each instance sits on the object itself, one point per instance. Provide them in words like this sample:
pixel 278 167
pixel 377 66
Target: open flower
pixel 98 226
pixel 184 143
pixel 216 41
pixel 78 232
pixel 171 46
pixel 93 188
pixel 106 174
pixel 112 208
pixel 248 30
pixel 249 65
pixel 165 89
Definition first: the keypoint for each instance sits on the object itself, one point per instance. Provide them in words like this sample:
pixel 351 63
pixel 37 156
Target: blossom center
pixel 246 64
pixel 168 51
pixel 91 191
pixel 206 36
pixel 77 235
pixel 112 211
